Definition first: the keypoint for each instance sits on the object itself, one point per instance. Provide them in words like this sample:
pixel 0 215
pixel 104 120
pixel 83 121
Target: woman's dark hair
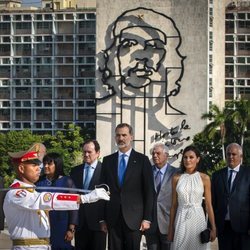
pixel 197 153
pixel 57 160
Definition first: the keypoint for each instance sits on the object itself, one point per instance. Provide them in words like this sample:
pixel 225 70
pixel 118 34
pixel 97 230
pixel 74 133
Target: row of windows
pixel 232 93
pixel 47 38
pixel 232 16
pixel 239 24
pixel 237 82
pixel 47 49
pixel 87 82
pixel 48 60
pixel 244 60
pixel 240 71
pixel 44 125
pixel 24 93
pixel 39 17
pixel 240 38
pixel 45 27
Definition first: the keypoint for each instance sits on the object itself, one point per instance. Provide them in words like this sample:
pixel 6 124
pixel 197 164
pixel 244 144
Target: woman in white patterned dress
pixel 187 217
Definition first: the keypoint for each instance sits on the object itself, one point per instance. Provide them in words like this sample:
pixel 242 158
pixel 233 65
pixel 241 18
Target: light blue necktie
pixel 121 169
pixel 87 177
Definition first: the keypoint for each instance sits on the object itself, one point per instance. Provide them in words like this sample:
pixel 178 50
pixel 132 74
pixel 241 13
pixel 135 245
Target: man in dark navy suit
pixel 231 201
pixel 129 176
pixel 88 235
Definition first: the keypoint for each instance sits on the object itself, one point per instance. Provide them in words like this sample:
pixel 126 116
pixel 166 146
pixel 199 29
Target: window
pixel 91 16
pixel 90 60
pixel 6 39
pixel 229 16
pixel 47 38
pixel 211 11
pixel 241 38
pixel 48 17
pixel 27 17
pixel 240 59
pixel 229 82
pixel 211 35
pixel 26 104
pixel 47 103
pixel 241 82
pixel 229 70
pixel 81 38
pixel 38 17
pixel 26 125
pixel 69 16
pixel 90 37
pixel 17 18
pixel 6 18
pixel 90 103
pixel 43 25
pixel 241 16
pixel 27 39
pixel 229 60
pixel 244 24
pixel 229 38
pixel 23 25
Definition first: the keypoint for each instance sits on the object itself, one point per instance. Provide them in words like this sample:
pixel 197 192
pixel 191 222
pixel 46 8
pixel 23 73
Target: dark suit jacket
pixel 88 213
pixel 2 194
pixel 238 200
pixel 162 203
pixel 135 198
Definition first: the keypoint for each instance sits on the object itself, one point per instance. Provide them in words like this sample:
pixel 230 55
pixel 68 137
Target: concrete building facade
pixel 237 55
pixel 47 69
pixel 163 102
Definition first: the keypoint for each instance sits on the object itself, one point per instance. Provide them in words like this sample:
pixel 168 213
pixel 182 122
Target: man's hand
pixel 145 225
pixel 103 227
pixel 95 195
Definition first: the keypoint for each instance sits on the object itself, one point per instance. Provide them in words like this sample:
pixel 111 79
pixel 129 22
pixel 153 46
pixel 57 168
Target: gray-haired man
pixel 156 236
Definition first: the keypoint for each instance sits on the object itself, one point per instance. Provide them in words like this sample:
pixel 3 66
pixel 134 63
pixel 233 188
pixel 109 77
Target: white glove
pixel 95 195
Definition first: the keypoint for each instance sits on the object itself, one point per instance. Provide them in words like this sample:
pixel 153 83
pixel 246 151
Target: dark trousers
pixel 86 239
pixel 230 240
pixel 157 241
pixel 123 238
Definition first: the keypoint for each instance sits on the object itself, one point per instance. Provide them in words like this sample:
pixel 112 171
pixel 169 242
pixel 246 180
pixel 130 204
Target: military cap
pixel 28 156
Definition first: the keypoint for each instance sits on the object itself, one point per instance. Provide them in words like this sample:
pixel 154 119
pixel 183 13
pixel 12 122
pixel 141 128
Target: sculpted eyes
pixel 152 44
pixel 128 43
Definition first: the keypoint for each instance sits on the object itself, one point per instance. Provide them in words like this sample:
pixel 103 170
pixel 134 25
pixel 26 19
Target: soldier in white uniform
pixel 26 210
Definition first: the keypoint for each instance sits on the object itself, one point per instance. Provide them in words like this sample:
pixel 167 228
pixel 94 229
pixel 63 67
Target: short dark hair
pixel 57 160
pixel 197 153
pixel 123 125
pixel 95 142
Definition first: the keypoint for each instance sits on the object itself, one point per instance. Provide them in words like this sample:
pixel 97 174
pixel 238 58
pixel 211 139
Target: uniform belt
pixel 29 242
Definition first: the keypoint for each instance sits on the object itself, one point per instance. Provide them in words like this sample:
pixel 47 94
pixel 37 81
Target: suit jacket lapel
pixel 237 178
pixel 167 175
pixel 114 165
pixel 79 176
pixel 95 176
pixel 225 178
pixel 129 169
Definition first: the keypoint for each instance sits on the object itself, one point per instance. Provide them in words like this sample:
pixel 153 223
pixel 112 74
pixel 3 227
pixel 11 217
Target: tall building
pixel 237 68
pixel 47 69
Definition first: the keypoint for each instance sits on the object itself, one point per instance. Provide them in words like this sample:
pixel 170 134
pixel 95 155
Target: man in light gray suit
pixel 162 171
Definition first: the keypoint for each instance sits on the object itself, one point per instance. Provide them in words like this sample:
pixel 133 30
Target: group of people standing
pixel 170 206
